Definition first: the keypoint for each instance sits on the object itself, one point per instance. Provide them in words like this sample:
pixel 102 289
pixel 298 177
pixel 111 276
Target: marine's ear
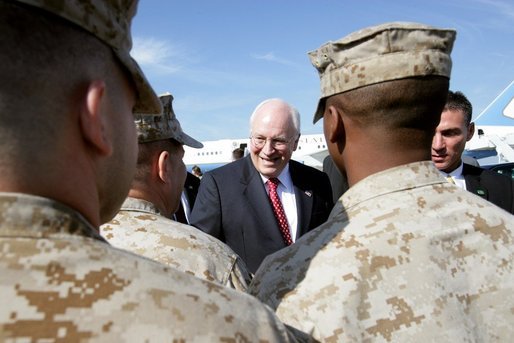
pixel 162 166
pixel 333 125
pixel 93 113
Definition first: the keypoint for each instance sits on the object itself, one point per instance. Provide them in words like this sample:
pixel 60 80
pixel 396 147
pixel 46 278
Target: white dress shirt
pixel 457 176
pixel 286 194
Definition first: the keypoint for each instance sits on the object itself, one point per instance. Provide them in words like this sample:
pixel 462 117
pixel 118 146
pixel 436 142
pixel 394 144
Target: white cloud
pixel 270 57
pixel 504 7
pixel 158 54
pixel 160 58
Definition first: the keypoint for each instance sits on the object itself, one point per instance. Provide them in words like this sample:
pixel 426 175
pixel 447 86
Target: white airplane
pixel 311 151
pixel 493 141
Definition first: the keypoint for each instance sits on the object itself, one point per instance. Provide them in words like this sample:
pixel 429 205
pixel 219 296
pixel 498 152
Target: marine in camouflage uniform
pixel 144 227
pixel 67 154
pixel 405 256
pixel 60 281
pixel 139 227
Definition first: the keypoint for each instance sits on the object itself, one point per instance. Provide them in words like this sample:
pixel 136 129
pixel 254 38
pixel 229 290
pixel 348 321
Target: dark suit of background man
pixel 337 179
pixel 233 203
pixel 187 199
pixel 451 135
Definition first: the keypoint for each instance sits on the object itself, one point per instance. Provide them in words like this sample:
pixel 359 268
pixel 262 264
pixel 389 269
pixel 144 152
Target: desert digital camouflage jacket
pixel 60 281
pixel 139 228
pixel 404 257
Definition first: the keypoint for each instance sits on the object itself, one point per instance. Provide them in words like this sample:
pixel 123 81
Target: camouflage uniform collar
pixel 392 180
pixel 139 205
pixel 24 215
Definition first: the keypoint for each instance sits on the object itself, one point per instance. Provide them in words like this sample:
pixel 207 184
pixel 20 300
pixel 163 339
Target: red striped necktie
pixel 278 210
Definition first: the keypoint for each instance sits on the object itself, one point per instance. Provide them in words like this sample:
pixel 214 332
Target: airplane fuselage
pixel 311 150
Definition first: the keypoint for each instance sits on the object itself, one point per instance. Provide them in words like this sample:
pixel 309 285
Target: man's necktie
pixel 278 210
pixel 180 215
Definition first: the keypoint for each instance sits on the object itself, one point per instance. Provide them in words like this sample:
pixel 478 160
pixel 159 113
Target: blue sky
pixel 220 58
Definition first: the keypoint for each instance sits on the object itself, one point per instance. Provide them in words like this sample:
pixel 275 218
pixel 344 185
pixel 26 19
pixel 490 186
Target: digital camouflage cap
pixel 386 52
pixel 163 126
pixel 109 21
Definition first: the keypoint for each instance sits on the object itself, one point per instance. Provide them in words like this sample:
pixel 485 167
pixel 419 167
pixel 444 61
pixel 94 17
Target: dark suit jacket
pixel 497 188
pixel 232 205
pixel 191 190
pixel 337 180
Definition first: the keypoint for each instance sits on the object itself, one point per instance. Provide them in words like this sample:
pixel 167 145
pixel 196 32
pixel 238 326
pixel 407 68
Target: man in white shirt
pixel 143 225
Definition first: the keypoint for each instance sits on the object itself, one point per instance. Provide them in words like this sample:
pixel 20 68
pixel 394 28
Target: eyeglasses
pixel 277 143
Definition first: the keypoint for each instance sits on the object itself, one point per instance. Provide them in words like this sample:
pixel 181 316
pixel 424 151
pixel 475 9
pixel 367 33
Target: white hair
pixel 295 115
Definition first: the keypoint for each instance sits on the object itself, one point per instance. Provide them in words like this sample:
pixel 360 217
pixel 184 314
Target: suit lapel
pixel 473 182
pixel 257 198
pixel 304 198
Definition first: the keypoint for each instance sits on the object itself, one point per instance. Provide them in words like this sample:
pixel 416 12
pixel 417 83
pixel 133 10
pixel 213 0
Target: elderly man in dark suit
pixel 265 201
pixel 454 130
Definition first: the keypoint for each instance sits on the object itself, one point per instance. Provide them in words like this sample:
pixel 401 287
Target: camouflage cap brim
pixel 147 102
pixel 189 141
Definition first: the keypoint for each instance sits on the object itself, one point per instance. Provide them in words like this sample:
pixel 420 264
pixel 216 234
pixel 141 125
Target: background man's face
pixel 449 141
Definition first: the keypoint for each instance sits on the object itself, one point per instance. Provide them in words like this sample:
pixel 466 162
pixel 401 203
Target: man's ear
pixel 93 120
pixel 162 166
pixel 471 131
pixel 296 141
pixel 333 125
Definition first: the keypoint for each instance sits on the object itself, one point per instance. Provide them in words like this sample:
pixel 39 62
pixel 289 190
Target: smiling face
pixel 450 138
pixel 274 137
